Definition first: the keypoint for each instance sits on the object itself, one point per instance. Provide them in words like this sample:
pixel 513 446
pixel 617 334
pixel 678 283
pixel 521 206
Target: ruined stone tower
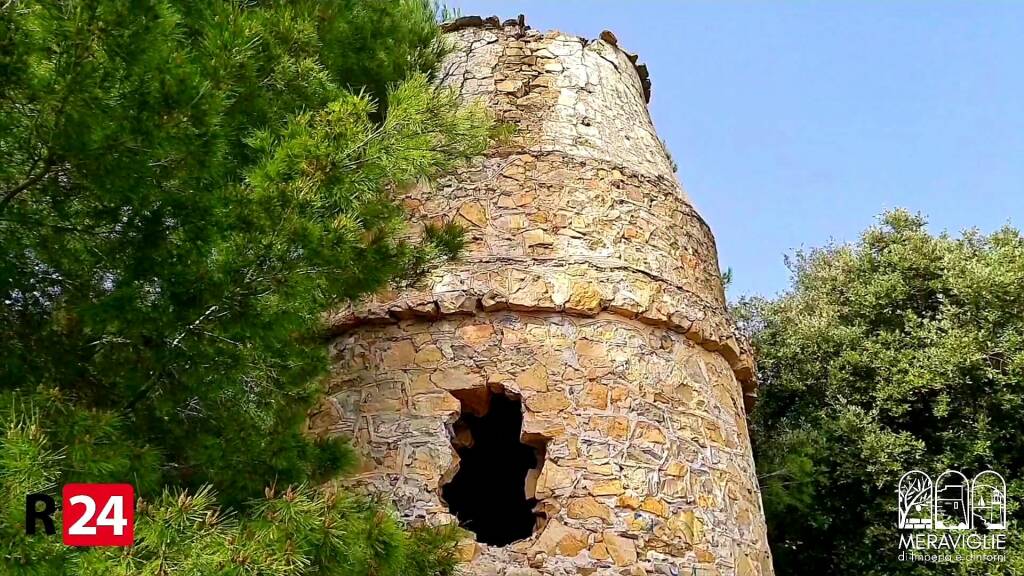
pixel 572 390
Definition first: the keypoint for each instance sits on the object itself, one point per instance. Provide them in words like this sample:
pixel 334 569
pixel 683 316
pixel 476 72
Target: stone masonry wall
pixel 590 289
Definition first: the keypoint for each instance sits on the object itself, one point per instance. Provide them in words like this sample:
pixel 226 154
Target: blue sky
pixel 794 123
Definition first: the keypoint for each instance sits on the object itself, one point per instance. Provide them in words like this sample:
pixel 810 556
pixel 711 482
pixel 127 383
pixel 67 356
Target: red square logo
pixel 99 514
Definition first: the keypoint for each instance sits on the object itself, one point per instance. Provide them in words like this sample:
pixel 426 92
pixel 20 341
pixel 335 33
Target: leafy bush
pixel 902 351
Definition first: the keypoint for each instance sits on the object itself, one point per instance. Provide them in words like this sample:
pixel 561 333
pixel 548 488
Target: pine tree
pixel 187 186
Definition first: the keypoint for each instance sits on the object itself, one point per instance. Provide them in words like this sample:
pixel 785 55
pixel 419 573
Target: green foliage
pixel 671 161
pixel 186 187
pixel 902 351
pixel 297 531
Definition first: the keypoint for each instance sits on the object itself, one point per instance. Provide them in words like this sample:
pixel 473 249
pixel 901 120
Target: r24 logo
pixel 94 514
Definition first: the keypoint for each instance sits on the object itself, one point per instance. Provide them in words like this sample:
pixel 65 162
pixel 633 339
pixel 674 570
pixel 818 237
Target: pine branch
pixel 29 182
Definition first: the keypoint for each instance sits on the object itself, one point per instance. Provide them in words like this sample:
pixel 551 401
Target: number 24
pixel 112 515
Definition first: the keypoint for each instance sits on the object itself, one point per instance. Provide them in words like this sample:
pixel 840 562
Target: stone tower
pixel 572 391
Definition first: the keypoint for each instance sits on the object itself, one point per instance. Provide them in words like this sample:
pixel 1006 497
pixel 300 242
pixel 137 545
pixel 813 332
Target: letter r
pixel 32 515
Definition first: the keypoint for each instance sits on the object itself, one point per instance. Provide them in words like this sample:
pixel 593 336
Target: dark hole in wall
pixel 489 492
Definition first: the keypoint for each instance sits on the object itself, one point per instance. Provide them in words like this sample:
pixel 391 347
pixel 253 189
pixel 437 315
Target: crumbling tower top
pixel 621 226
